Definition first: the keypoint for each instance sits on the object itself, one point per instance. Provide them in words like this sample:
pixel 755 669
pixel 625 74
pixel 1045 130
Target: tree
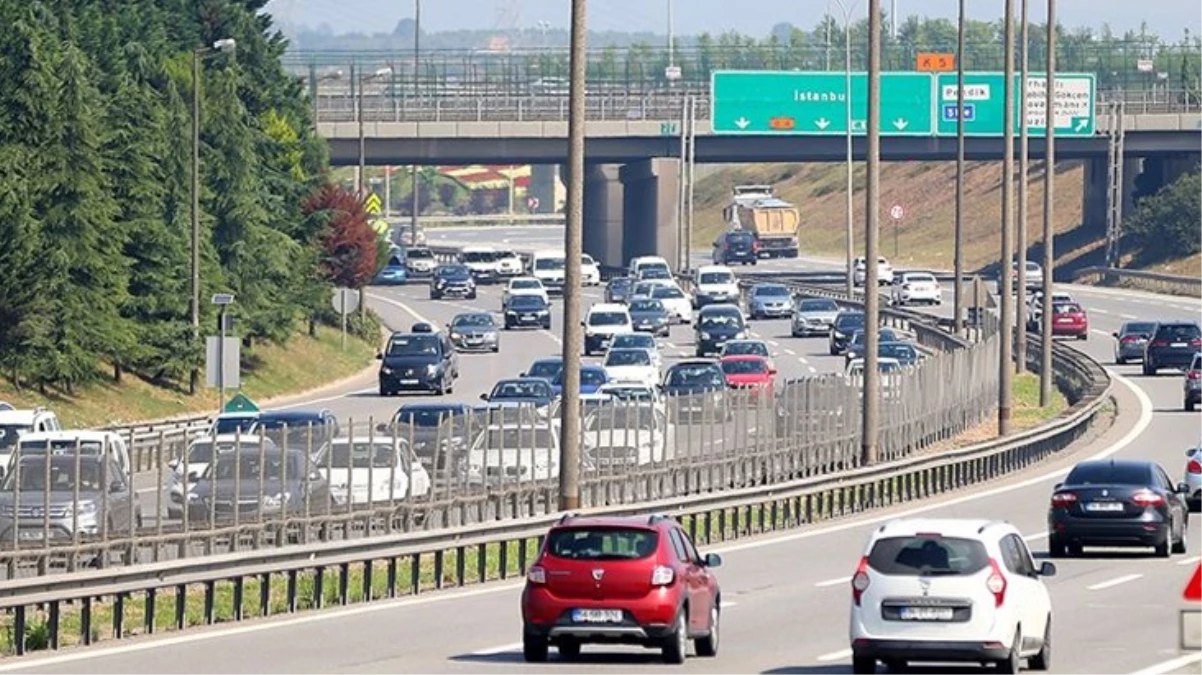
pixel 1169 223
pixel 349 252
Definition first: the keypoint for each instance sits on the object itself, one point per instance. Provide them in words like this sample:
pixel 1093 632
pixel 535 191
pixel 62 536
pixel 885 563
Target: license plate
pixel 409 381
pixel 527 317
pixel 597 615
pixel 926 613
pixel 1179 344
pixel 475 341
pixel 1104 506
pixel 1064 320
pixel 30 535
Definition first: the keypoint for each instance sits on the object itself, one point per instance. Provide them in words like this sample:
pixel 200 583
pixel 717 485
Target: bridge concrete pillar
pixel 649 193
pixel 603 206
pixel 544 183
pixel 1093 195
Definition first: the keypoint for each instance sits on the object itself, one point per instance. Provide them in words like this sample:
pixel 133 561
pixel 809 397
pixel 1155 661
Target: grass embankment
pixel 1024 414
pixel 926 190
pixel 267 371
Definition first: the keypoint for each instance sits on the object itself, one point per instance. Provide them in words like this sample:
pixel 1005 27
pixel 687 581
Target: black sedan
pixel 1173 345
pixel 453 280
pixel 855 348
pixel 846 324
pixel 527 311
pixel 1116 502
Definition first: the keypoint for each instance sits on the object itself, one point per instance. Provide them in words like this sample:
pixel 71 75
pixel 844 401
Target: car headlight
pixel 455 336
pixel 838 335
pixel 432 369
pixel 705 335
pixel 740 335
pixel 193 497
pixel 277 500
pixel 85 508
pixel 386 370
pixel 490 337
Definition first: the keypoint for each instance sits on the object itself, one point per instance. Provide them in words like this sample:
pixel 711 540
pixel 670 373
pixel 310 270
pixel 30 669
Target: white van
pixel 604 321
pixel 646 261
pixel 548 267
pixel 715 284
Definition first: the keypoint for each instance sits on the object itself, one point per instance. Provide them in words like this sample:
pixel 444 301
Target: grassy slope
pixel 925 190
pixel 268 371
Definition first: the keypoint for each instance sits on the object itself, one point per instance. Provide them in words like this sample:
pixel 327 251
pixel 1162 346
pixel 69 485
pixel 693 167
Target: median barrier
pixel 1153 282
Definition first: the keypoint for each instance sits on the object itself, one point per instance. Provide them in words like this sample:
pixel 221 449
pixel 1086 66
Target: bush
pixel 1169 223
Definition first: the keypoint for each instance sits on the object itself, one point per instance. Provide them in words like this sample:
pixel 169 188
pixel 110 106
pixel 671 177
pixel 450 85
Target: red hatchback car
pixel 747 371
pixel 1070 319
pixel 630 580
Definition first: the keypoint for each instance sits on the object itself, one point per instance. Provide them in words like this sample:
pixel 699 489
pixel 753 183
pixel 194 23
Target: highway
pixel 785 597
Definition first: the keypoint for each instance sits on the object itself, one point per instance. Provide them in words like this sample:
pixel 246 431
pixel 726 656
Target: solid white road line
pixel 1170 665
pixel 834 656
pixel 1035 537
pixel 402 306
pixel 491 651
pixel 1190 561
pixel 311 401
pixel 1114 582
pixel 790 352
pixel 832 582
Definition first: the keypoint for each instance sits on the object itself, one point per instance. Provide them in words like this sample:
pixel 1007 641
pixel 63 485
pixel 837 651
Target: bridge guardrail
pixel 290 579
pixel 1150 281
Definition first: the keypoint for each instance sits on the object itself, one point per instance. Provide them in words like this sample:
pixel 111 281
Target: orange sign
pixel 936 63
pixel 782 123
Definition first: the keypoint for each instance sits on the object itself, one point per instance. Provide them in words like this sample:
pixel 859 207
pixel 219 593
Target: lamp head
pixel 225 45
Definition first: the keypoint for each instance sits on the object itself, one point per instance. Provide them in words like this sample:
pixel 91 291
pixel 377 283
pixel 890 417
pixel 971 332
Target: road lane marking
pixel 1128 316
pixel 790 352
pixel 397 303
pixel 311 401
pixel 774 343
pixel 834 656
pixel 832 582
pixel 812 369
pixel 1170 665
pixel 1189 561
pixel 1036 536
pixel 1114 582
pixel 493 651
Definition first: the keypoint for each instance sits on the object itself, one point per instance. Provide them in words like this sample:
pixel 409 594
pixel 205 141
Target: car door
pixel 694 582
pixel 705 587
pixel 1177 505
pixel 1034 603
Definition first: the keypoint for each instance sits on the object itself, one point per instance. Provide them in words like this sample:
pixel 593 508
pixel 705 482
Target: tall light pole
pixel 573 335
pixel 1020 298
pixel 360 81
pixel 222 46
pixel 415 178
pixel 1049 193
pixel 1005 360
pixel 958 236
pixel 847 8
pixel 334 75
pixel 870 452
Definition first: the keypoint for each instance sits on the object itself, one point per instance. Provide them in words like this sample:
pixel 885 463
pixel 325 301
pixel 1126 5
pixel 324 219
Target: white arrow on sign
pixel 900 124
pixel 822 123
pixel 1082 124
pixel 742 122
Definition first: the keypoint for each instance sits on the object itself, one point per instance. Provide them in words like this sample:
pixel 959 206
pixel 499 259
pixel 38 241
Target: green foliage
pixel 1168 224
pixel 96 200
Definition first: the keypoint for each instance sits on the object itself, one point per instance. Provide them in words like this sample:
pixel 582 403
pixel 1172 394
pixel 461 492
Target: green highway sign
pixel 815 103
pixel 983 105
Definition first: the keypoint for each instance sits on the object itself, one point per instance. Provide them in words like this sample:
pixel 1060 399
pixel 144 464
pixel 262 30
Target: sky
pixel 1167 18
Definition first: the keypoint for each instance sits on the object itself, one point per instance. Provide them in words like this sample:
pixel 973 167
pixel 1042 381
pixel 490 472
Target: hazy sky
pixel 1167 18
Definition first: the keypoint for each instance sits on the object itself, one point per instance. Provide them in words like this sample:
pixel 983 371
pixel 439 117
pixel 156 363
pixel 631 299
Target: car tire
pixel 547 326
pixel 1013 661
pixel 1043 659
pixel 1164 550
pixel 708 646
pixel 534 648
pixel 676 645
pixel 1181 546
pixel 471 296
pixel 1120 361
pixel 896 665
pixel 1083 336
pixel 569 650
pixel 1057 548
pixel 863 664
pixel 1189 405
pixel 1149 369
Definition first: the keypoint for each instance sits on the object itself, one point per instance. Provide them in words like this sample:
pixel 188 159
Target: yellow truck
pixel 773 221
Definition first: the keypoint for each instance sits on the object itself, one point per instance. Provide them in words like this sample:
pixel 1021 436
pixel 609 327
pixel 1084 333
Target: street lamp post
pixel 958 234
pixel 869 449
pixel 222 46
pixel 315 86
pixel 1020 298
pixel 360 81
pixel 1049 195
pixel 414 177
pixel 1006 351
pixel 849 235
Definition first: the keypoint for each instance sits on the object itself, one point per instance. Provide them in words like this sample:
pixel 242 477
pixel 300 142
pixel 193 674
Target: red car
pixel 747 371
pixel 633 580
pixel 1070 319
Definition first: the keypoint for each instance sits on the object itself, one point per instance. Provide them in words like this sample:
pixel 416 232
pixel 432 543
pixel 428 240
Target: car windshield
pixel 587 260
pixel 518 284
pixel 63 446
pixel 423 253
pixel 619 284
pixel 527 302
pixel 744 366
pixel 249 465
pixel 520 389
pixel 667 292
pixel 426 417
pixel 754 347
pixel 770 291
pixel 451 272
pixel 548 264
pixel 1178 333
pixel 885 335
pixel 691 376
pixel 597 543
pixel 201 452
pixel 848 322
pixel 818 306
pixel 505 254
pixel 644 289
pixel 633 341
pixel 646 272
pixel 607 318
pixel 720 320
pixel 899 351
pixel 920 279
pixel 588 376
pixel 1105 473
pixel 629 394
pixel 474 321
pixel 647 306
pixel 9 433
pixel 361 455
pixel 623 416
pixel 738 238
pixel 928 555
pixel 233 425
pixel 414 345
pixel 1032 266
pixel 479 256
pixel 627 357
pixel 1138 328
pixel 32 475
pixel 1066 308
pixel 716 278
pixel 524 437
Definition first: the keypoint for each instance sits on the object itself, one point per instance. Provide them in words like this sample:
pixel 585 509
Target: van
pixel 648 261
pixel 548 267
pixel 604 321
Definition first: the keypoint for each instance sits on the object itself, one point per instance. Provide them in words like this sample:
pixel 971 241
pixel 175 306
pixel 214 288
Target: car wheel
pixel 1083 336
pixel 1043 659
pixel 1149 369
pixel 534 648
pixel 139 522
pixel 1163 549
pixel 863 664
pixel 1057 548
pixel 384 392
pixel 1075 550
pixel 896 665
pixel 676 645
pixel 1120 361
pixel 1182 544
pixel 547 326
pixel 569 650
pixel 708 645
pixel 1189 405
pixel 1013 662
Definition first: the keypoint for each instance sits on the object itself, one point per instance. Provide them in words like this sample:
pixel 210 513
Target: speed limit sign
pixel 896 212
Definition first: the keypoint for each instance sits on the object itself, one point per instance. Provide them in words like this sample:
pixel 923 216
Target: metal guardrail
pixel 1150 281
pixel 475 220
pixel 95 604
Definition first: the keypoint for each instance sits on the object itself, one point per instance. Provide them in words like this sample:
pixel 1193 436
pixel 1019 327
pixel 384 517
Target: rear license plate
pixel 409 381
pixel 1064 320
pixel 597 615
pixel 1179 344
pixel 926 613
pixel 1104 506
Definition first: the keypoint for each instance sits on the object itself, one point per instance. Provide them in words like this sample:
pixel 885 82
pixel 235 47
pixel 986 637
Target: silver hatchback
pixel 48 499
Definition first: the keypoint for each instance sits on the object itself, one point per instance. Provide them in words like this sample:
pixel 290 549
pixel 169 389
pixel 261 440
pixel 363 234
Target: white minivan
pixel 604 321
pixel 643 262
pixel 548 267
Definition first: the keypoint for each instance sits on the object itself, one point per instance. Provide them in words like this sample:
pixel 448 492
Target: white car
pixel 509 263
pixel 481 261
pixel 715 284
pixel 523 286
pixel 915 287
pixel 366 471
pixel 16 423
pixel 634 392
pixel 630 365
pixel 949 590
pixel 884 271
pixel 639 341
pixel 68 441
pixel 676 301
pixel 590 273
pixel 548 267
pixel 604 321
pixel 646 262
pixel 626 435
pixel 510 452
pixel 199 456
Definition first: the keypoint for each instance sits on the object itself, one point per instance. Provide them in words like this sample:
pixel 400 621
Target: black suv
pixel 422 360
pixel 843 329
pixel 1173 345
pixel 716 325
pixel 453 280
pixel 736 247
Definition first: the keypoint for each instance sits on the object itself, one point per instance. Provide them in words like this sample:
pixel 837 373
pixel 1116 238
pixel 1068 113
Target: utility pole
pixel 417 50
pixel 849 243
pixel 360 174
pixel 1005 360
pixel 1049 186
pixel 681 260
pixel 870 452
pixel 573 335
pixel 1024 164
pixel 691 165
pixel 194 376
pixel 958 238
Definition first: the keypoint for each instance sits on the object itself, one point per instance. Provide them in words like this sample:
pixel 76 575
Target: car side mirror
pixel 379 356
pixel 1057 486
pixel 193 477
pixel 314 476
pixel 713 560
pixel 1115 334
pixel 522 374
pixel 1183 488
pixel 116 487
pixel 772 371
pixel 383 428
pixel 483 397
pixel 1047 569
pixel 174 464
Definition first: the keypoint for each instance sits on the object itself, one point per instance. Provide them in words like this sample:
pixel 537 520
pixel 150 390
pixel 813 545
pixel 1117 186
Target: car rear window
pixel 1178 333
pixel 602 543
pixel 928 555
pixel 1109 474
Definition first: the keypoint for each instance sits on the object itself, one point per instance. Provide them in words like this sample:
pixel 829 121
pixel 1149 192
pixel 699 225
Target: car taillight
pixel 1160 343
pixel 1194 374
pixel 1063 499
pixel 996 583
pixel 859 582
pixel 1196 342
pixel 537 575
pixel 1194 466
pixel 1147 498
pixel 755 246
pixel 662 576
pixel 1129 338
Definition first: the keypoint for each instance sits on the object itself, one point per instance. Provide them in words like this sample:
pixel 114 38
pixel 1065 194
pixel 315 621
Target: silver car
pixel 77 504
pixel 1130 340
pixel 768 301
pixel 814 316
pixel 1193 477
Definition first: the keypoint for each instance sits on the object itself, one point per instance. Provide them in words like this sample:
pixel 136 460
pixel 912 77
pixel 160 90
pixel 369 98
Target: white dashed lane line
pixel 1114 582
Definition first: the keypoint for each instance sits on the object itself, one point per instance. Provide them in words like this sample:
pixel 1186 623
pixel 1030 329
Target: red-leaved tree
pixel 349 250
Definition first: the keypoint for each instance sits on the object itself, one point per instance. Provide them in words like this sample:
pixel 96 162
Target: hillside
pixel 927 193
